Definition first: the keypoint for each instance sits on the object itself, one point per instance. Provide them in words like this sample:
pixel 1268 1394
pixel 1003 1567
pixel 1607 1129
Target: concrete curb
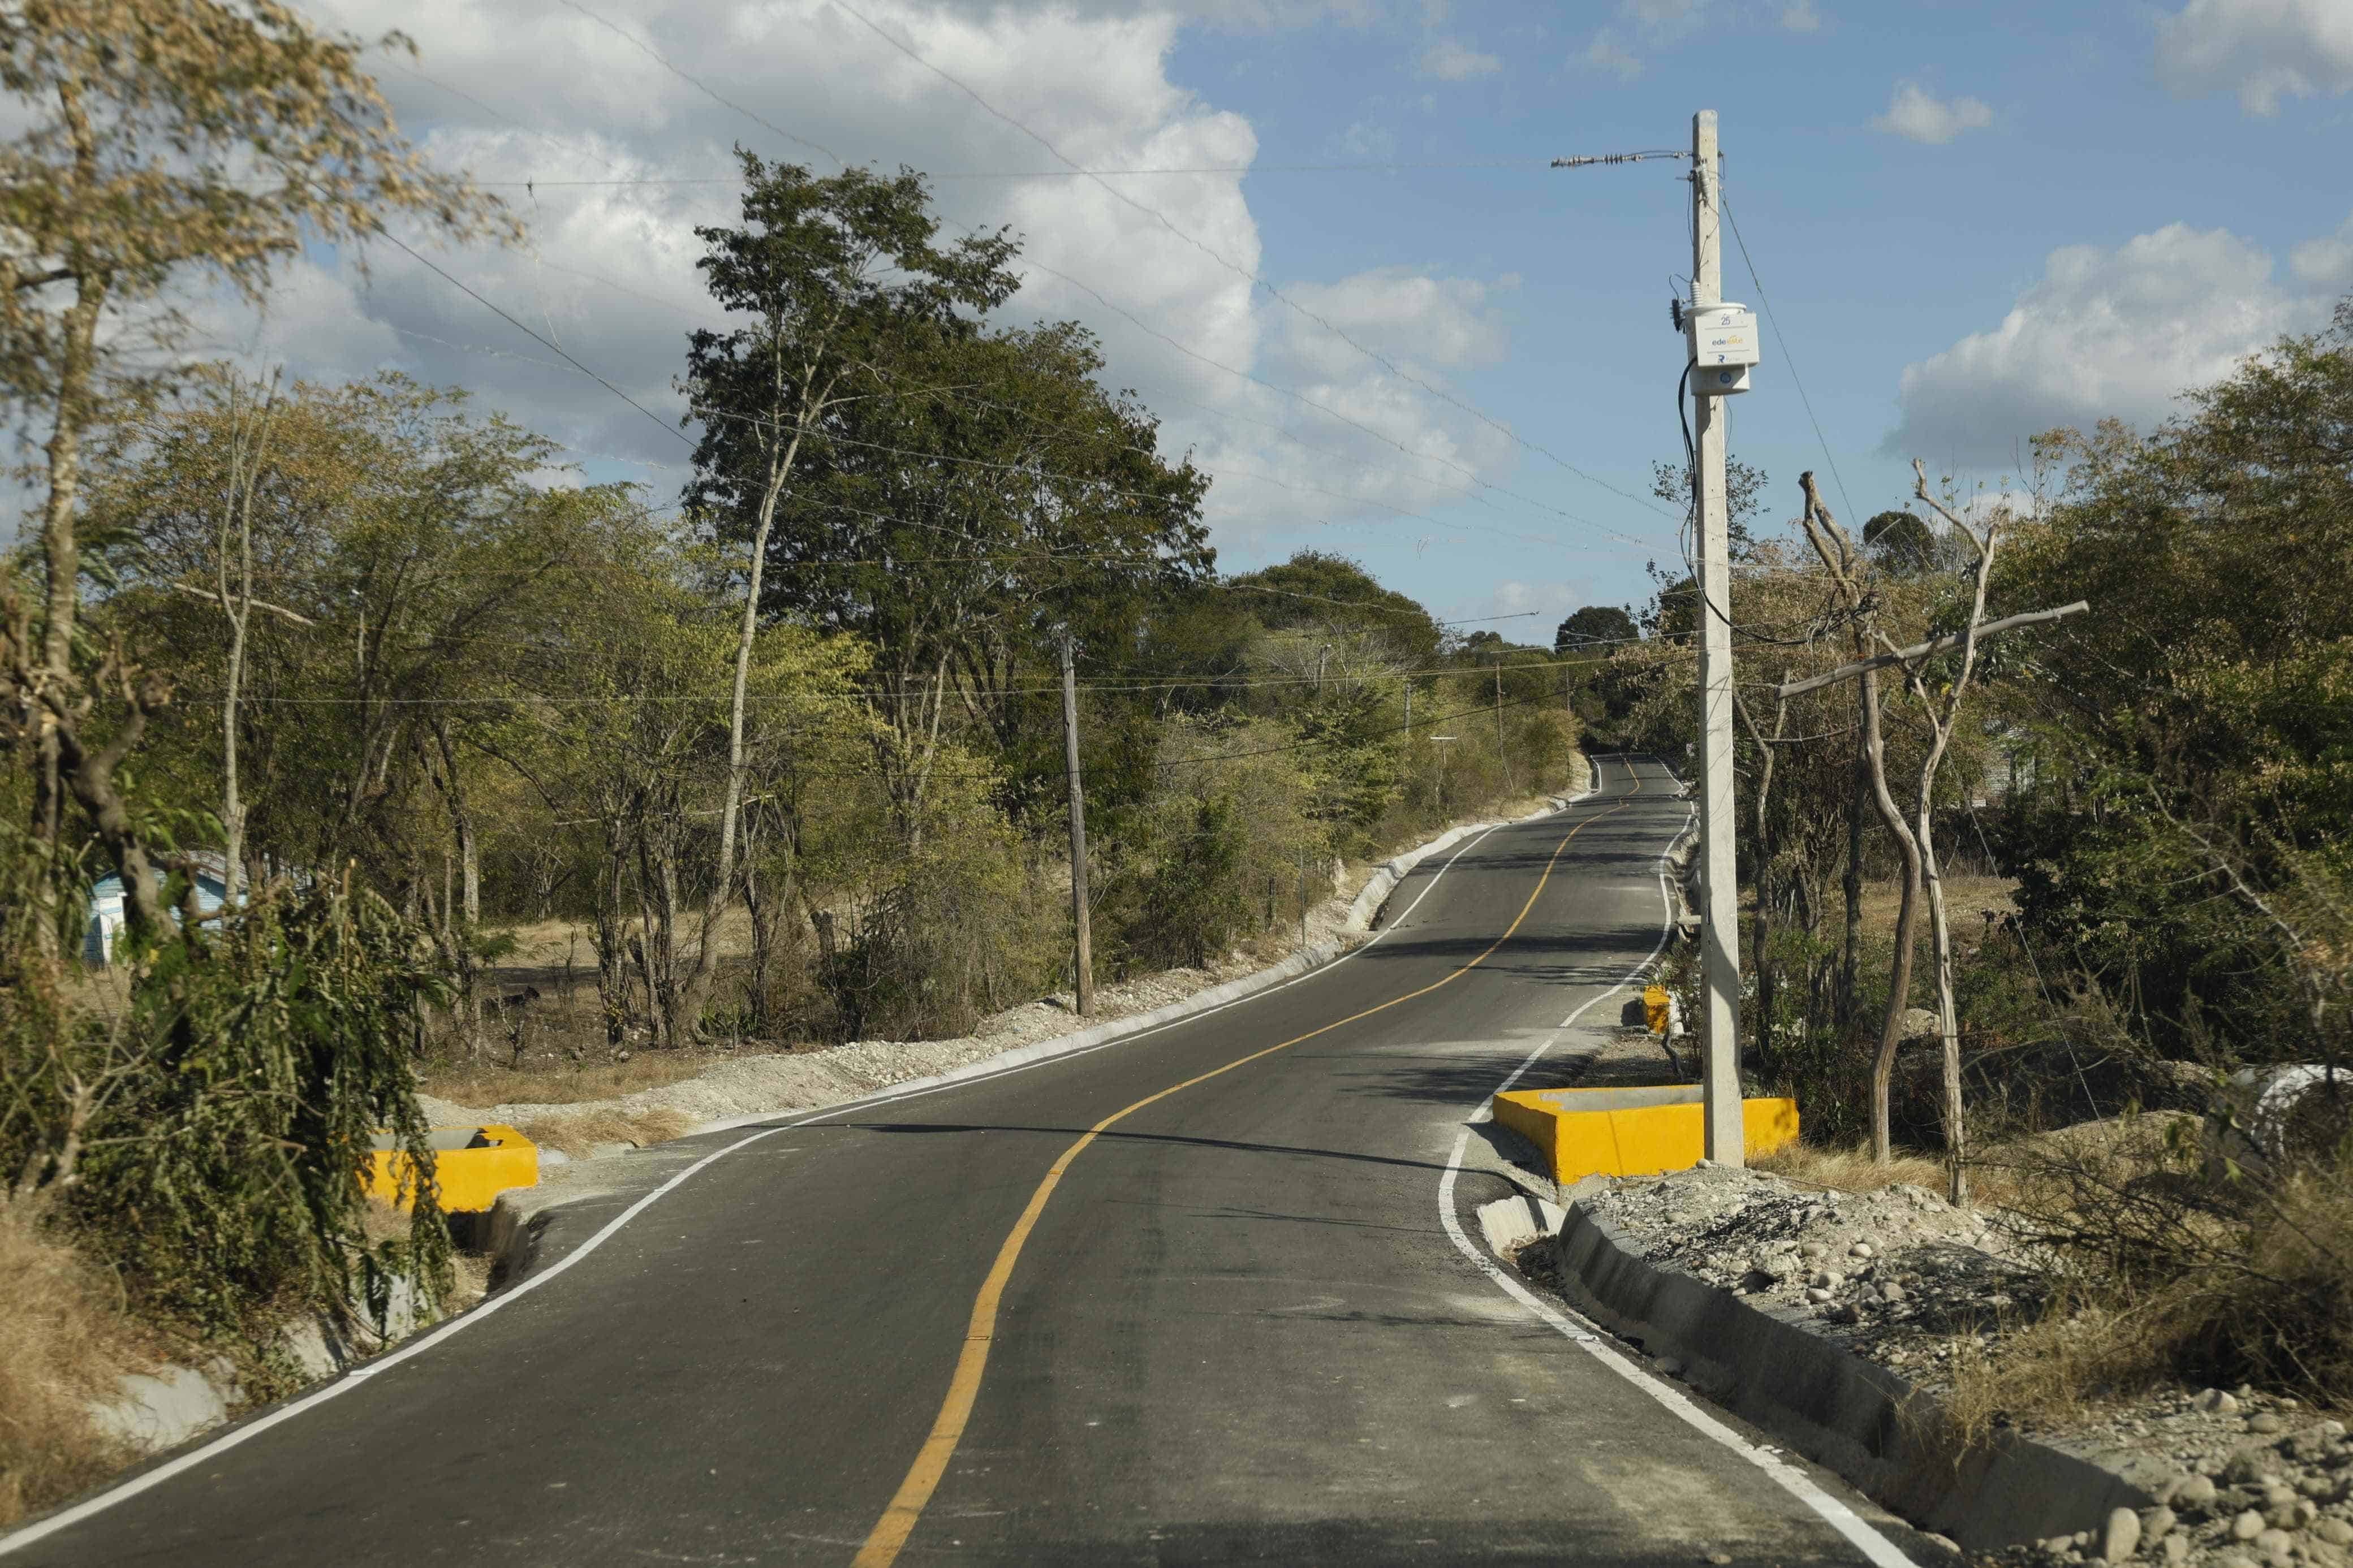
pixel 1777 1368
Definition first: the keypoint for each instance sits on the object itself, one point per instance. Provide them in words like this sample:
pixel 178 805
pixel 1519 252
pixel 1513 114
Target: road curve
pixel 1232 1329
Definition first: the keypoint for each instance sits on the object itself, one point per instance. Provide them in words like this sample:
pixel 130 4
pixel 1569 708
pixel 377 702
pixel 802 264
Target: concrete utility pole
pixel 1085 961
pixel 1720 892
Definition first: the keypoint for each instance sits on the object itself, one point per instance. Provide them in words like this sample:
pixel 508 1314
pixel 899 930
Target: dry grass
pixel 1854 1171
pixel 556 1082
pixel 2167 1275
pixel 1966 899
pixel 63 1344
pixel 578 1133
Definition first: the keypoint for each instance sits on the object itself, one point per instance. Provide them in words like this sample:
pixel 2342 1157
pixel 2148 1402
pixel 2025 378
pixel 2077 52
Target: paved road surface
pixel 1236 1329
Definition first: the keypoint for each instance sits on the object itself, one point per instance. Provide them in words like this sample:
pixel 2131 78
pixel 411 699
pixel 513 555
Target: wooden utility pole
pixel 1720 891
pixel 1084 962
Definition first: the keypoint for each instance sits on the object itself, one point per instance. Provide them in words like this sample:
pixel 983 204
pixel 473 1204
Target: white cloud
pixel 2326 262
pixel 609 272
pixel 1449 59
pixel 1912 113
pixel 1606 53
pixel 1801 17
pixel 2105 333
pixel 2262 50
pixel 1363 139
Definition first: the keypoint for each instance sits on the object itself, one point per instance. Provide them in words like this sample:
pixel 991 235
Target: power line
pixel 458 284
pixel 1502 164
pixel 1077 170
pixel 1235 267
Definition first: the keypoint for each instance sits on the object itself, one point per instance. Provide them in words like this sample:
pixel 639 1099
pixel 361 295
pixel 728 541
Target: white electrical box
pixel 1723 347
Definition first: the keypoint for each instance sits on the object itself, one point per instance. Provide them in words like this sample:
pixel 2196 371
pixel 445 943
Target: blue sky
pixel 1972 221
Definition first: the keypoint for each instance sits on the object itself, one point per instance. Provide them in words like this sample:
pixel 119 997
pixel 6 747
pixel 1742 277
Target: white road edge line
pixel 42 1529
pixel 1587 1335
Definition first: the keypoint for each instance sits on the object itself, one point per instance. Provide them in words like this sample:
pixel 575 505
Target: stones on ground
pixel 2247 1526
pixel 2195 1492
pixel 2336 1531
pixel 2121 1537
pixel 1817 1294
pixel 2214 1402
pixel 1890 1291
pixel 2157 1522
pixel 2175 1547
pixel 2266 1423
pixel 1860 1249
pixel 2250 1464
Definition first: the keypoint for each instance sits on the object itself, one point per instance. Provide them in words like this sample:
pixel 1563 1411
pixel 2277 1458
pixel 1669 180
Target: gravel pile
pixel 2246 1480
pixel 1894 1274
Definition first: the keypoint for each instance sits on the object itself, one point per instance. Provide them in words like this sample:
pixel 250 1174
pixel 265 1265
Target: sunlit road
pixel 1234 1330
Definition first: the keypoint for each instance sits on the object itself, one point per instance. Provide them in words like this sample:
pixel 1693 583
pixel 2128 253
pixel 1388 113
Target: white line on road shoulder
pixel 66 1517
pixel 1587 1336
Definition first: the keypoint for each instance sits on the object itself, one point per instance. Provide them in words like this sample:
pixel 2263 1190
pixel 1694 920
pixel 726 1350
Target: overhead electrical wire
pixel 1079 170
pixel 1788 354
pixel 1237 269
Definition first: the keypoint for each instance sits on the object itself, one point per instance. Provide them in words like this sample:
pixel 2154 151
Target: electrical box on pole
pixel 1723 337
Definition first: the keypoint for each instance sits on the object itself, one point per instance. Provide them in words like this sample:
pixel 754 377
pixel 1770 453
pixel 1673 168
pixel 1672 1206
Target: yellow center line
pixel 898 1520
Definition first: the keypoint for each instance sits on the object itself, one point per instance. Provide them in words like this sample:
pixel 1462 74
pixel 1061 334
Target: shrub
pixel 211 1137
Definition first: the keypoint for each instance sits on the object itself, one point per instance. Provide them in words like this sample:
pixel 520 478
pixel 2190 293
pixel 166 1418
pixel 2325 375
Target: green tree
pixel 839 278
pixel 1597 628
pixel 159 141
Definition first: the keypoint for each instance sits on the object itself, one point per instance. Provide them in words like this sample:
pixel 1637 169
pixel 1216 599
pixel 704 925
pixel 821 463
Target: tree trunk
pixel 695 989
pixel 1850 953
pixel 1948 1015
pixel 1899 978
pixel 62 556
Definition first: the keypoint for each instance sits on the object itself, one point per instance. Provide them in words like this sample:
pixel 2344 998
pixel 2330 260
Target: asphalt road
pixel 1235 1329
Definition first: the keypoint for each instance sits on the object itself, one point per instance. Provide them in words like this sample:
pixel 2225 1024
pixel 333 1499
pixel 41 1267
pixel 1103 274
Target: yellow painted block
pixel 1626 1139
pixel 473 1166
pixel 1655 1008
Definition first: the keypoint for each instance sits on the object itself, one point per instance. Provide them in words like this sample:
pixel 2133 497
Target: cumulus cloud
pixel 624 158
pixel 1606 53
pixel 1801 17
pixel 1915 114
pixel 2105 333
pixel 2264 50
pixel 1449 59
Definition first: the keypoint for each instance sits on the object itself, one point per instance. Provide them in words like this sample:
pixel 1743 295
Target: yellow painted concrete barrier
pixel 472 1164
pixel 1632 1131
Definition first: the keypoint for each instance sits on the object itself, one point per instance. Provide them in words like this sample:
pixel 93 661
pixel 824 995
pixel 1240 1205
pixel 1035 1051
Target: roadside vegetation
pixel 360 705
pixel 2141 824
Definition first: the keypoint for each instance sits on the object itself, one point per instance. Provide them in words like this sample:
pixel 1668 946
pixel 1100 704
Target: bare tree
pixel 1860 610
pixel 1940 710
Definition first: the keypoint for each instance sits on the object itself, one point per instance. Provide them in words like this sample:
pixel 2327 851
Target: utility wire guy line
pixel 1239 271
pixel 1789 355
